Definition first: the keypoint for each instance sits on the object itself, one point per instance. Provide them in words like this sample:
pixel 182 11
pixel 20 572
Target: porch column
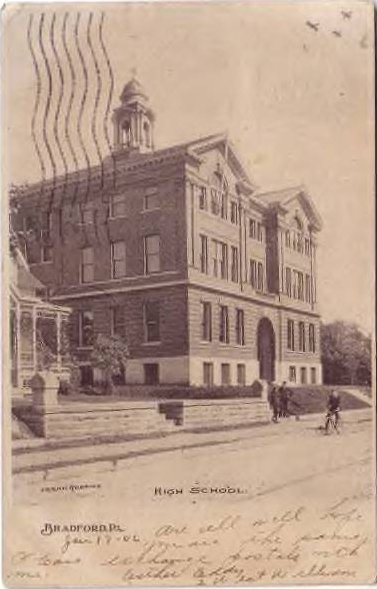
pixel 58 340
pixel 18 342
pixel 34 338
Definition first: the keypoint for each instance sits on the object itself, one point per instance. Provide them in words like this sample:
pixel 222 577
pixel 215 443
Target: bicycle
pixel 332 422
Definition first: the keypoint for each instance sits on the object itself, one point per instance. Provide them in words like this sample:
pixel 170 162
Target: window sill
pixel 150 210
pixel 151 343
pixel 112 218
pixel 84 348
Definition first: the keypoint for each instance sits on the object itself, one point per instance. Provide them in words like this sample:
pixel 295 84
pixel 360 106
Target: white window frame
pixel 153 193
pixel 114 261
pixel 147 255
pixel 120 201
pixel 82 264
pixel 81 342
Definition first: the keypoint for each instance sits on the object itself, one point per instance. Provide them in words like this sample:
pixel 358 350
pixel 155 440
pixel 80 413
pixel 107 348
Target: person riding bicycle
pixel 333 410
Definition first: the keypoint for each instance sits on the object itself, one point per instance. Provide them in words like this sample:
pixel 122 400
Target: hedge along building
pixel 209 280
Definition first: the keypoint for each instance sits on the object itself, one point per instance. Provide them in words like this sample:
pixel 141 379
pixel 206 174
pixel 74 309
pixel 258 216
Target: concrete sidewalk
pixel 53 456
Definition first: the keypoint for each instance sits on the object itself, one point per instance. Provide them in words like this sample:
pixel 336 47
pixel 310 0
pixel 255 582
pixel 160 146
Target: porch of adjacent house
pixel 36 327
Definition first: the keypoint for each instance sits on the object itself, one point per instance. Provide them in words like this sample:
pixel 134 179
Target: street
pixel 307 498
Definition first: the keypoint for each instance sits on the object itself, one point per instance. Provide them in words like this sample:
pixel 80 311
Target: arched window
pixel 298 239
pixel 126 133
pixel 219 195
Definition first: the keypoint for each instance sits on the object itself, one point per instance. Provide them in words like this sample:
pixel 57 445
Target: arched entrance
pixel 266 349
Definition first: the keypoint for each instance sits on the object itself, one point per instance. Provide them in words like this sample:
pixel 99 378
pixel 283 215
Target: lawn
pixel 314 399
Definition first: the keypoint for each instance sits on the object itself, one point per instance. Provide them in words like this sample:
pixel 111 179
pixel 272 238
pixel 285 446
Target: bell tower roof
pixel 133 91
pixel 133 120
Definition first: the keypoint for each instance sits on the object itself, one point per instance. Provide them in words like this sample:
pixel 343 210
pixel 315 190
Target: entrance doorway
pixel 266 349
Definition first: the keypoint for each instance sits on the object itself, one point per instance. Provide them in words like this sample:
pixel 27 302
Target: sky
pixel 297 104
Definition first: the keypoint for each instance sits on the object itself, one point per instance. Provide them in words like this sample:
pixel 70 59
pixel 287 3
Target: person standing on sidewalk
pixel 284 396
pixel 273 399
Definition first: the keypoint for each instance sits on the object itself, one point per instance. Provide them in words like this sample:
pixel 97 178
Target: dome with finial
pixel 133 91
pixel 133 120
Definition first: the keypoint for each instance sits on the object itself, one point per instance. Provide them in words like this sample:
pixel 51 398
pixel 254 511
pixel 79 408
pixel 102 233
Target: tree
pixel 346 354
pixel 110 354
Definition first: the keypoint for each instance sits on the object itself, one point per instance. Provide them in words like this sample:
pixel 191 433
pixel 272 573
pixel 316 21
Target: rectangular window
pixel 118 205
pixel 208 374
pixel 86 331
pixel 224 205
pixel 295 284
pixel 151 374
pixel 307 246
pixel 308 293
pixel 291 334
pixel 241 375
pixel 234 212
pixel 60 222
pixel 240 327
pixel 260 276
pixel 313 376
pixel 252 228
pixel 300 292
pixel 203 205
pixel 301 336
pixel 206 322
pixel 118 259
pixel 215 206
pixel 224 261
pixel 300 240
pixel 46 224
pixel 152 321
pixel 287 238
pixel 303 375
pixel 224 325
pixel 288 282
pixel 87 265
pixel 253 273
pixel 234 264
pixel 215 249
pixel 152 253
pixel 259 232
pixel 118 325
pixel 151 199
pixel 311 337
pixel 204 254
pixel 225 374
pixel 46 253
pixel 86 214
pixel 292 373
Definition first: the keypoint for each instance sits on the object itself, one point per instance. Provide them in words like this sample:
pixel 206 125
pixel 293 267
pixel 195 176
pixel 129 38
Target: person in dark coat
pixel 284 395
pixel 273 399
pixel 333 410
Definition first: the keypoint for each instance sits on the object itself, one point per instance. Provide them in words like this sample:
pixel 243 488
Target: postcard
pixel 188 293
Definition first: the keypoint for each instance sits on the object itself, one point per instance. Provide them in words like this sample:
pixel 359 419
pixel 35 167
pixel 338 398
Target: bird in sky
pixel 346 14
pixel 312 25
pixel 337 33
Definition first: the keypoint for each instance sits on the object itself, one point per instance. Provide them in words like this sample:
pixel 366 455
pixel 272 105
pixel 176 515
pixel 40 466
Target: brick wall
pixel 253 313
pixel 173 326
pixel 68 235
